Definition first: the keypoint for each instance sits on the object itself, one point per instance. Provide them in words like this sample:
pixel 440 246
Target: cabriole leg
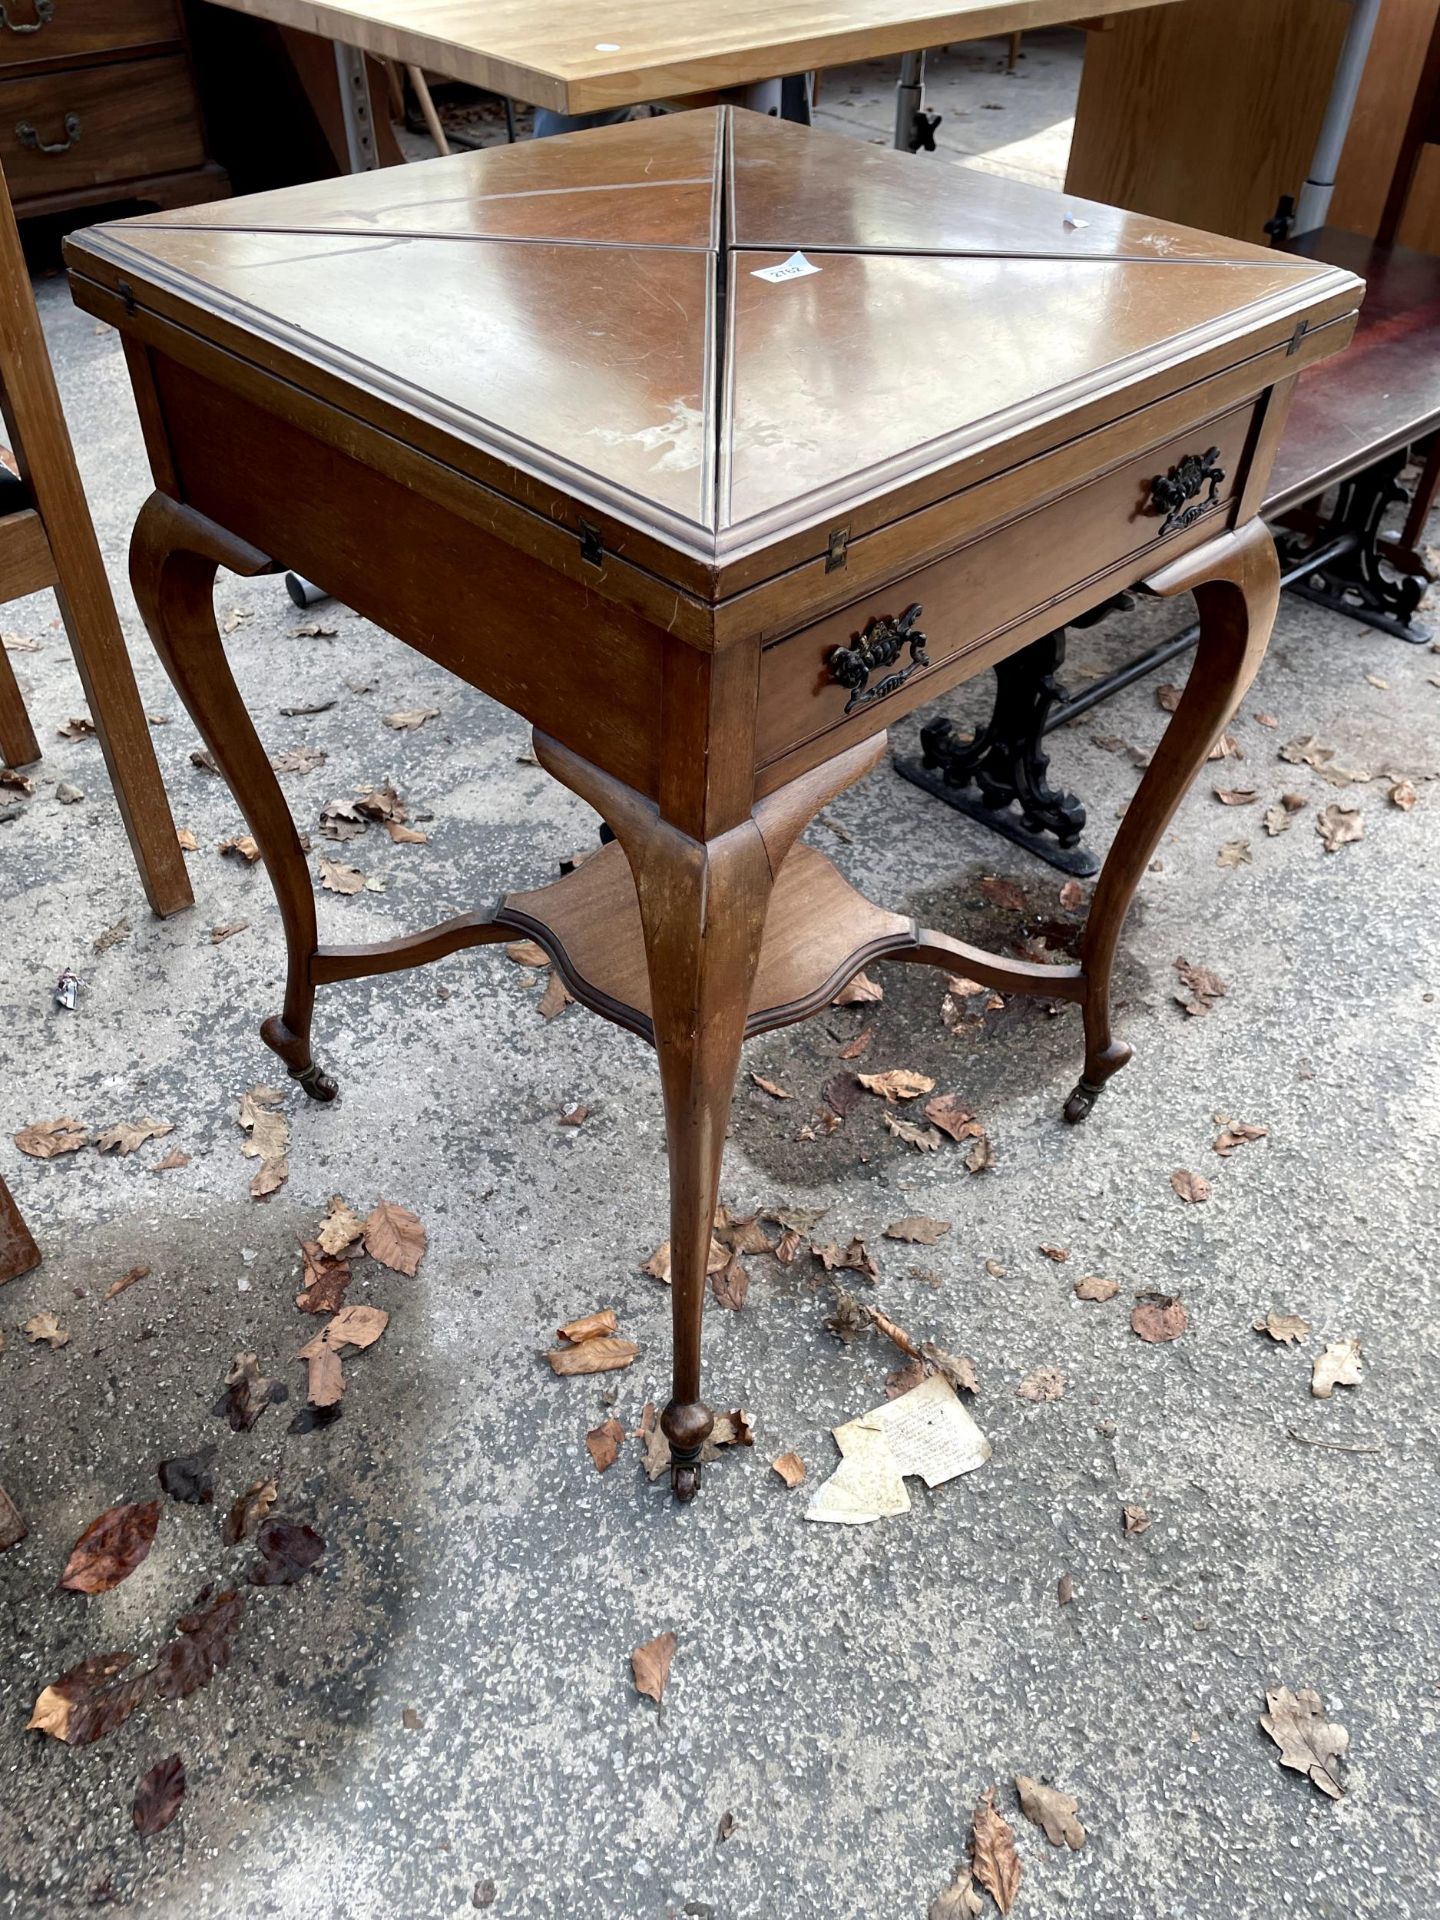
pixel 1236 583
pixel 174 554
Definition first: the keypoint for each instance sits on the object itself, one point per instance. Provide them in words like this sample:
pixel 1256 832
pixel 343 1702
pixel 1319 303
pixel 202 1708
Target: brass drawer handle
pixel 1173 493
pixel 44 14
pixel 30 138
pixel 878 646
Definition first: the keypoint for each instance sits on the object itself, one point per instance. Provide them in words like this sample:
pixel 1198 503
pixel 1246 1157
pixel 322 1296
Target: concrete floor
pixel 844 1694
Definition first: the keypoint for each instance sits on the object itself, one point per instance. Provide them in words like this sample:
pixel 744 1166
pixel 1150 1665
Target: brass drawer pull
pixel 1173 493
pixel 44 14
pixel 878 646
pixel 30 138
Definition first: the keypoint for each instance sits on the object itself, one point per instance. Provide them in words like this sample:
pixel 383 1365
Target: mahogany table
pixel 579 421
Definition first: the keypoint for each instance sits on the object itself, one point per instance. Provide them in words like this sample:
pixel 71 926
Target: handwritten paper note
pixel 795 268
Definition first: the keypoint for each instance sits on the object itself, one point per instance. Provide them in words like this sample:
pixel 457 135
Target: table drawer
pixel 32 30
pixel 993 583
pixel 93 125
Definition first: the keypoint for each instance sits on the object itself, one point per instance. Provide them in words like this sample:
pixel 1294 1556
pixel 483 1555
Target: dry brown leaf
pixel 247 1393
pixel 1277 820
pixel 326 1278
pixel 227 931
pixel 126 1135
pixel 395 1237
pixel 993 1859
pixel 268 1141
pixel 355 1326
pixel 1265 720
pixel 1337 1366
pixel 325 1384
pixel 159 1797
pixel 91 1700
pixel 173 1160
pixel 946 1112
pixel 1235 853
pixel 1064 1590
pixel 1402 795
pixel 650 1665
pixel 1136 1519
pixel 1095 1287
pixel 861 991
pixel 1054 1253
pixel 1337 825
pixel 556 997
pixel 1239 1133
pixel 742 1232
pixel 1308 1742
pixel 958 1901
pixel 1052 1811
pixel 1002 893
pixel 604 1443
pixel 337 877
pixel 245 845
pixel 790 1467
pixel 604 1355
pixel 1235 796
pixel 48 1139
pixel 407 720
pixel 897 1083
pixel 731 1284
pixel 297 760
pixel 923 1139
pixel 44 1326
pixel 1158 1317
pixel 1071 894
pixel 188 843
pixel 770 1087
pixel 856 1258
pixel 248 1510
pixel 341 1227
pixel 127 1280
pixel 1045 1383
pixel 590 1326
pixel 1168 696
pixel 111 1547
pixel 788 1247
pixel 917 1228
pixel 980 1155
pixel 1284 1328
pixel 853 1049
pixel 1193 1188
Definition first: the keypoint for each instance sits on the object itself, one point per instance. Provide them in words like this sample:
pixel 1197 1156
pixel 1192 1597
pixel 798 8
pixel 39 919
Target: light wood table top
pixel 581 58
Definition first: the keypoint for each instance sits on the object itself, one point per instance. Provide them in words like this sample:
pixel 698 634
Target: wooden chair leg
pixel 174 554
pixel 18 1252
pixel 18 745
pixel 1236 583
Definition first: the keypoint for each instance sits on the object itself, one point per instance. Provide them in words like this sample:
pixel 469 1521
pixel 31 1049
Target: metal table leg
pixel 914 127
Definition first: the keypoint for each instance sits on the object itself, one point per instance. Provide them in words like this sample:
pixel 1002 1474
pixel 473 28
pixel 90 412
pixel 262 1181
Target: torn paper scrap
pixel 926 1431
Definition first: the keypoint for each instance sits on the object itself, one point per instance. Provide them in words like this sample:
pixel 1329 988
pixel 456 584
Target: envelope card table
pixel 707 444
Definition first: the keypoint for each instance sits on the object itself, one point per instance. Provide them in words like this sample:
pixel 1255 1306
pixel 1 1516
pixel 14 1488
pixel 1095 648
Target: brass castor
pixel 684 1480
pixel 1082 1100
pixel 316 1082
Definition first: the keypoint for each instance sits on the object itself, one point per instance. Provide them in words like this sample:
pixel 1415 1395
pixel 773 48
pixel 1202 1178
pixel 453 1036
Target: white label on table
pixel 795 268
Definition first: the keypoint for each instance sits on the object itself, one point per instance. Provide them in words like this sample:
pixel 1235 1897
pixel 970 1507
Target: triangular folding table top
pixel 600 311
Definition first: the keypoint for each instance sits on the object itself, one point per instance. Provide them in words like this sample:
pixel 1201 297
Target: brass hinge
pixel 592 547
pixel 837 549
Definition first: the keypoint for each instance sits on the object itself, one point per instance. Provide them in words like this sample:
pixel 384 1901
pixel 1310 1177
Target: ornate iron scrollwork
pixel 1174 493
pixel 879 646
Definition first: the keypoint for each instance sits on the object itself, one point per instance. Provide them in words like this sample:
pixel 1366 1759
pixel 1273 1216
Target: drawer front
pixel 994 583
pixel 94 125
pixel 32 30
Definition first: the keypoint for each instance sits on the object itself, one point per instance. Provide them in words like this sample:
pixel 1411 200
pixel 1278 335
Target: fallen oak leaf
pixel 1402 795
pixel 898 1083
pixel 1052 1811
pixel 1238 1133
pixel 336 876
pixel 159 1796
pixel 1338 825
pixel 1283 1328
pixel 958 1901
pixel 268 1139
pixel 731 1285
pixel 109 1550
pixel 993 1859
pixel 855 1258
pixel 650 1665
pixel 1235 853
pixel 1337 1366
pixel 946 1112
pixel 923 1139
pixel 918 1229
pixel 1193 1188
pixel 44 1326
pixel 1308 1742
pixel 340 1228
pixel 1045 1383
pixel 124 1137
pixel 48 1139
pixel 1135 1519
pixel 410 718
pixel 245 845
pixel 604 1355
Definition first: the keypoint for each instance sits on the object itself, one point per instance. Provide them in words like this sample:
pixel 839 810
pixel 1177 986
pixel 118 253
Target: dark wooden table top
pixel 596 315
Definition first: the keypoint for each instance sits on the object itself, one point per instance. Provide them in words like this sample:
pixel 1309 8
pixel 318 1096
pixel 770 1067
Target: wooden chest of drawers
pixel 97 104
